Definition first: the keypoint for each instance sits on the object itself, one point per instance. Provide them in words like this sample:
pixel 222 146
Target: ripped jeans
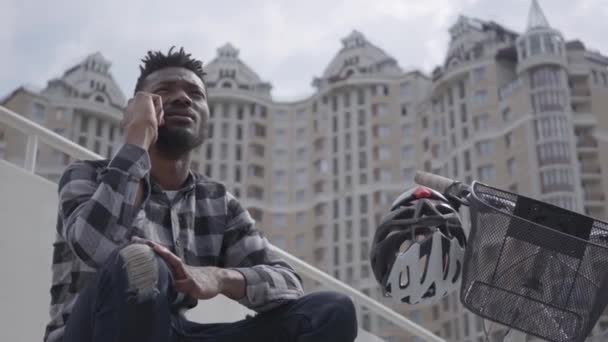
pixel 130 299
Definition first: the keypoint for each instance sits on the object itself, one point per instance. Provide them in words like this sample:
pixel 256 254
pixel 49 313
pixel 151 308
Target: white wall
pixel 28 208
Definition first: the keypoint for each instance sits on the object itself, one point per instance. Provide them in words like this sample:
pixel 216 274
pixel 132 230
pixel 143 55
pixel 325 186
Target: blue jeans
pixel 118 305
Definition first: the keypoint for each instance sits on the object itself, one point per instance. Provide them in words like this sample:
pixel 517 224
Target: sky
pixel 287 43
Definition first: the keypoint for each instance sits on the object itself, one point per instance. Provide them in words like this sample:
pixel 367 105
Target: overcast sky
pixel 286 42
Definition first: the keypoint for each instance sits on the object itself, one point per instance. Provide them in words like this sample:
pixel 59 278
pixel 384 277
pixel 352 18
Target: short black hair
pixel 156 60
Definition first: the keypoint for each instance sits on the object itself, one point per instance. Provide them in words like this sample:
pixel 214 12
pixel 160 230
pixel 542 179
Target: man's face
pixel 186 112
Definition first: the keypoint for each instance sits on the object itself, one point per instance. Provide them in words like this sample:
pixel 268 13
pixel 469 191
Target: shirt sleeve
pixel 270 281
pixel 97 207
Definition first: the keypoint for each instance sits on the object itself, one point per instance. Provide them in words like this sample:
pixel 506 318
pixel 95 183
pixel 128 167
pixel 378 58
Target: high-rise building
pixel 84 105
pixel 521 111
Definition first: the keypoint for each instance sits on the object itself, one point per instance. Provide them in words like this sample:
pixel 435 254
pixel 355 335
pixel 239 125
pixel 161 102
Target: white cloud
pixel 286 42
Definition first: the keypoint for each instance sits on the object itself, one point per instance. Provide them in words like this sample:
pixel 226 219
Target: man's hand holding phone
pixel 143 116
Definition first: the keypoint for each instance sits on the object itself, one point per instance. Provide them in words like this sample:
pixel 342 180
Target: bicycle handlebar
pixel 433 181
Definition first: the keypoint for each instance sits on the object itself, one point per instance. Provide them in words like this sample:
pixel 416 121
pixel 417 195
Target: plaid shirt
pixel 203 224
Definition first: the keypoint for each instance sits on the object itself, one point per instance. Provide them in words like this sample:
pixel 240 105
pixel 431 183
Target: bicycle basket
pixel 534 267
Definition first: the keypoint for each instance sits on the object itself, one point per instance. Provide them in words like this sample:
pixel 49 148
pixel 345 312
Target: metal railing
pixel 36 133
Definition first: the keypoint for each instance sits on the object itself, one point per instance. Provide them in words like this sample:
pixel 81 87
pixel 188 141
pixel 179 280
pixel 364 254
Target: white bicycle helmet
pixel 418 248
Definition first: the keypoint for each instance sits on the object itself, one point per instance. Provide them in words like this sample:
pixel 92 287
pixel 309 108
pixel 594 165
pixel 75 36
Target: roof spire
pixel 536 17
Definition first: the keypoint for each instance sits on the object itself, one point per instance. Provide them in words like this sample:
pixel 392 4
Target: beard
pixel 175 142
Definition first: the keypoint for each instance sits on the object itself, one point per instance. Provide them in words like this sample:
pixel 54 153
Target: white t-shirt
pixel 171 194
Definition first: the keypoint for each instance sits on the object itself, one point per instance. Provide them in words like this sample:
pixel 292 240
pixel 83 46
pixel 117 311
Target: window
pixel 223 172
pixel 99 127
pixel 280 155
pixel 485 148
pixel 511 167
pixel 545 76
pixel 301 218
pixel 403 110
pixel 450 97
pixel 322 166
pixel 535 46
pixel 467 161
pixel 463 112
pixel 84 123
pixel 360 96
pixel 238 153
pixel 507 115
pixel 508 138
pixel 38 112
pixel 407 153
pixel 365 273
pixel 257 130
pixel 361 117
pixel 255 171
pixel 336 255
pixel 224 151
pixel 382 131
pixel 363 204
pixel 480 97
pixel 407 130
pixel 481 122
pixel 384 152
pixel 112 132
pixel 281 136
pixel 302 154
pixel 255 192
pixel 346 98
pixel 404 89
pixel 596 79
pixel 347 141
pixel 239 132
pixel 301 133
pixel 225 129
pixel 300 242
pixel 486 173
pixel 362 138
pixel 349 252
pixel 279 220
pixel 237 174
pixel 279 241
pixel 408 174
pixel 380 109
pixel 256 150
pixel 348 162
pixel 461 90
pixel 300 195
pixel 452 119
pixel 279 197
pixel 282 115
pixel 364 227
pixel 362 160
pixel 301 176
pixel 386 176
pixel 478 74
pixel 96 147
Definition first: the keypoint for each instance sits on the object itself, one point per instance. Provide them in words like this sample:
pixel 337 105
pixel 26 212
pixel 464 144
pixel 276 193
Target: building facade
pixel 521 111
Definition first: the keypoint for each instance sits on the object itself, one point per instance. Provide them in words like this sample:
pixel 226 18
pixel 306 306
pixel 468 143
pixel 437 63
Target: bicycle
pixel 529 265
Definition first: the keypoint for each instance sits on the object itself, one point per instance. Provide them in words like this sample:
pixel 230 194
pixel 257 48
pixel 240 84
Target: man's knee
pixel 142 269
pixel 337 309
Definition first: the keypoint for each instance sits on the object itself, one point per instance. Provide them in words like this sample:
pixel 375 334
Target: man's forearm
pixel 232 283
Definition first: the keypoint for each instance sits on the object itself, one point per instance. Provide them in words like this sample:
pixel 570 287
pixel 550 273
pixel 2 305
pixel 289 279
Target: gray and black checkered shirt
pixel 203 224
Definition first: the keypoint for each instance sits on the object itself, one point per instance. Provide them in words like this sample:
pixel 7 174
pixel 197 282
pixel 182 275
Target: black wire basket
pixel 533 266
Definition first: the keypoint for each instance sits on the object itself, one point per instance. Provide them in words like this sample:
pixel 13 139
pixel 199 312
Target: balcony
pixel 590 169
pixel 594 196
pixel 506 91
